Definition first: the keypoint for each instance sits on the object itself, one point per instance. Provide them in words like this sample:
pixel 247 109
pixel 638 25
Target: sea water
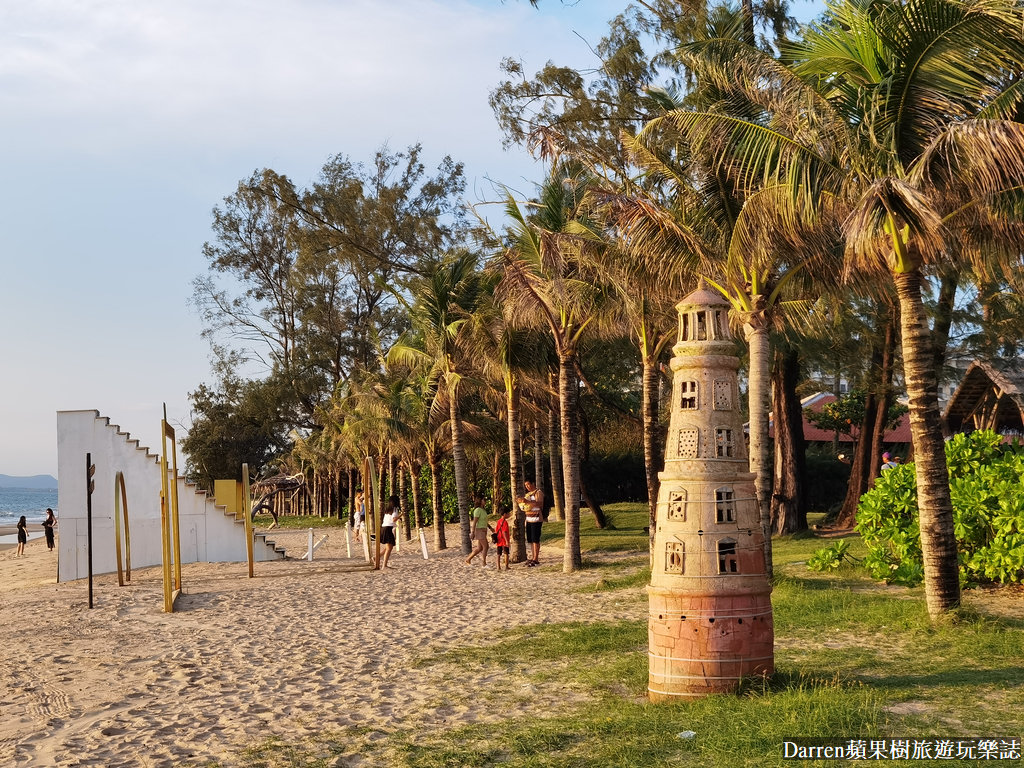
pixel 30 502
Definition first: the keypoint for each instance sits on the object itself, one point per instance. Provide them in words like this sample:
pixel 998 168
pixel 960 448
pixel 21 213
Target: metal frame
pixel 170 533
pixel 121 500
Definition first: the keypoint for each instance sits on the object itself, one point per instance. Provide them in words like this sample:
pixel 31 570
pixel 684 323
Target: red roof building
pixel 813 434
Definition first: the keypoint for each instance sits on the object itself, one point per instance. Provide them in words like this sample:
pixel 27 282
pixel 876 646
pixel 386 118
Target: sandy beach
pixel 301 650
pixel 9 533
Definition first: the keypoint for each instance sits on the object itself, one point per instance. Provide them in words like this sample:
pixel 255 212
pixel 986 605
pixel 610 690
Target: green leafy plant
pixel 987 491
pixel 830 558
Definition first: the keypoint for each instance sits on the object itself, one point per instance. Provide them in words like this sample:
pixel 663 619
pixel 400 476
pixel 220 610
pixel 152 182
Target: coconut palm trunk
pixel 653 440
pixel 555 456
pixel 538 456
pixel 788 502
pixel 417 501
pixel 756 331
pixel 461 469
pixel 434 461
pixel 938 542
pixel 515 470
pixel 403 498
pixel 568 395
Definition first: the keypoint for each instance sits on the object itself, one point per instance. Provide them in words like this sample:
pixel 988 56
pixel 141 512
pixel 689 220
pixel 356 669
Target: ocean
pixel 30 502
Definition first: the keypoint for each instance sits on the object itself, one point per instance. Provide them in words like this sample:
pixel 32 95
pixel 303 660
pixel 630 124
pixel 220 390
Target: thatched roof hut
pixel 991 396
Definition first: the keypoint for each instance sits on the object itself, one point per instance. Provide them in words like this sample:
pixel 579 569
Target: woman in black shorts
pixel 22 536
pixel 388 524
pixel 534 519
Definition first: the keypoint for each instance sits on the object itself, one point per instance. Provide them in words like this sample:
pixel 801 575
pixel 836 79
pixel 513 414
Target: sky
pixel 126 122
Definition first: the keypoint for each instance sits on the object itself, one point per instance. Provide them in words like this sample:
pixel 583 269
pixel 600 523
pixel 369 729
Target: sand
pixel 302 650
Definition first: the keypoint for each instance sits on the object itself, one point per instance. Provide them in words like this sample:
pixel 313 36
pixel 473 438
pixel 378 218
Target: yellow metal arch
pixel 169 529
pixel 121 500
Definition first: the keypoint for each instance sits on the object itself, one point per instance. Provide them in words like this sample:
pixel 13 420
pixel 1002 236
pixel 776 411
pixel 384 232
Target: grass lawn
pixel 853 659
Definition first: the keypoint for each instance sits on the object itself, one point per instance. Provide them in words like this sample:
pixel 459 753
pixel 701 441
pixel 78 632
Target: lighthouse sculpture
pixel 710 622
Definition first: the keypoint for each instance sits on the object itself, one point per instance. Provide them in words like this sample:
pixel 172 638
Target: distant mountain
pixel 35 481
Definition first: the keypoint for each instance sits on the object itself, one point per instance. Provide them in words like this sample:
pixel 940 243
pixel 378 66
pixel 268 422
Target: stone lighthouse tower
pixel 710 600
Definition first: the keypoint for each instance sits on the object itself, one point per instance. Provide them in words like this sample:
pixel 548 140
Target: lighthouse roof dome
pixel 703 297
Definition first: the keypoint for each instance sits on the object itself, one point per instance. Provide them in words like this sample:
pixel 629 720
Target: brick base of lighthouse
pixel 701 645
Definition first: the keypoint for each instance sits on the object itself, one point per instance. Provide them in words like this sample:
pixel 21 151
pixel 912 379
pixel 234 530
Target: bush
pixel 987 490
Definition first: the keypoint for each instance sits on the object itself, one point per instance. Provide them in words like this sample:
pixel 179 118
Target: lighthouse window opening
pixel 677 505
pixel 723 443
pixel 702 326
pixel 723 395
pixel 688 444
pixel 727 561
pixel 688 395
pixel 674 556
pixel 721 325
pixel 725 505
pixel 684 327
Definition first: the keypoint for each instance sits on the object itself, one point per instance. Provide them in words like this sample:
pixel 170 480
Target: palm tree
pixel 876 127
pixel 443 303
pixel 544 273
pixel 510 357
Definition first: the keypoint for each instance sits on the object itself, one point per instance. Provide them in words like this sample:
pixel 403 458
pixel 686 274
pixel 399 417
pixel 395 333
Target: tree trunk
pixel 515 471
pixel 885 398
pixel 381 490
pixel 403 501
pixel 747 9
pixel 435 499
pixel 393 471
pixel 654 439
pixel 568 398
pixel 789 502
pixel 592 504
pixel 760 456
pixel 496 499
pixel 351 495
pixel 555 456
pixel 938 542
pixel 944 307
pixel 538 456
pixel 861 464
pixel 863 458
pixel 417 500
pixel 461 469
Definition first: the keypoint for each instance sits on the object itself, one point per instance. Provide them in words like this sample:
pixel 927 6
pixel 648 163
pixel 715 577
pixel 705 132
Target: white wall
pixel 207 533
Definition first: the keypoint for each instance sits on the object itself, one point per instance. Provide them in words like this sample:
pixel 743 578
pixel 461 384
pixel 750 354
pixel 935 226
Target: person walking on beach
pixel 534 519
pixel 501 537
pixel 388 524
pixel 48 524
pixel 359 518
pixel 22 536
pixel 478 529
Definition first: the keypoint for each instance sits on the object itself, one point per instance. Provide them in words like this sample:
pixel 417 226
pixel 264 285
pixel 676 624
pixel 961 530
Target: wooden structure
pixel 990 396
pixel 710 621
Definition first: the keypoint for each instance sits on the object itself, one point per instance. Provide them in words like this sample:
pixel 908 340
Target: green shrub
pixel 987 490
pixel 830 558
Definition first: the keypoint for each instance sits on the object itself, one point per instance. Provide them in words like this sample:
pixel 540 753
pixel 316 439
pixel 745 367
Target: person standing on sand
pixel 48 524
pixel 534 519
pixel 359 517
pixel 388 524
pixel 22 536
pixel 478 529
pixel 501 537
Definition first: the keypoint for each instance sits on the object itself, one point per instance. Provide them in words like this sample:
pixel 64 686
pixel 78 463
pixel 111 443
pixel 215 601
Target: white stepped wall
pixel 207 533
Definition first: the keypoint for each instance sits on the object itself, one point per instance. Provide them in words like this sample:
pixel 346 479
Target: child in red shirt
pixel 501 538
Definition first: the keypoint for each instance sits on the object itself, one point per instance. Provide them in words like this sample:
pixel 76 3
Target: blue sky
pixel 126 122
